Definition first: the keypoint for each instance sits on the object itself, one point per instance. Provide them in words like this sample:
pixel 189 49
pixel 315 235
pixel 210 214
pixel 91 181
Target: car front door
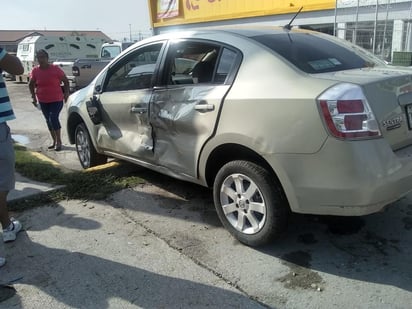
pixel 184 112
pixel 124 102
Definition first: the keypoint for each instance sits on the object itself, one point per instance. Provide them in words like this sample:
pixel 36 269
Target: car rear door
pixel 185 108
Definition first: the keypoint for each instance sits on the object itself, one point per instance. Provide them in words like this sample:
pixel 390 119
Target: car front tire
pixel 86 152
pixel 250 203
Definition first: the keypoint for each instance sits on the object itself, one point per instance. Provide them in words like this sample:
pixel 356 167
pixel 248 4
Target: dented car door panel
pixel 183 119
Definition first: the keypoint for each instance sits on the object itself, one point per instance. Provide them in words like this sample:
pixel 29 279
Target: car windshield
pixel 318 53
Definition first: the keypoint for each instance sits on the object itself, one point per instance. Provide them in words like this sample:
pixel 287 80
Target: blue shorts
pixel 7 159
pixel 51 112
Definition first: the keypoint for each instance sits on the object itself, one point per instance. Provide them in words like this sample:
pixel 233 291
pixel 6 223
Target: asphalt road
pixel 161 245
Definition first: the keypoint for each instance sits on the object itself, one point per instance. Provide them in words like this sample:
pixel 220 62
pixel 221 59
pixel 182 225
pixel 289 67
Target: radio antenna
pixel 289 25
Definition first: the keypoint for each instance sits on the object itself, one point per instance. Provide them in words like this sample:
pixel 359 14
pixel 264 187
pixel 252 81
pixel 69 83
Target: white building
pixel 380 26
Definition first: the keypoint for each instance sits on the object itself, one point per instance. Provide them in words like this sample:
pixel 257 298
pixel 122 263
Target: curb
pixel 26 187
pixel 43 157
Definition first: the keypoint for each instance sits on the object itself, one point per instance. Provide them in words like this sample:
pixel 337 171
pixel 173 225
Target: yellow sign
pixel 196 11
pixel 167 9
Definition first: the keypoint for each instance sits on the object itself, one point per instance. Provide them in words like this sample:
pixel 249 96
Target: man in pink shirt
pixel 45 87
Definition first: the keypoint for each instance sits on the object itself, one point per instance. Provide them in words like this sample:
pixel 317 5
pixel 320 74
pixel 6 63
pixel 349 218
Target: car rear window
pixel 314 54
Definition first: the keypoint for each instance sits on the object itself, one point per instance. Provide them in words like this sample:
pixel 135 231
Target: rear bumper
pixel 346 178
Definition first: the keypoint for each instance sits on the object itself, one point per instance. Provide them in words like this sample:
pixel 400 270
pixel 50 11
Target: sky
pixel 119 19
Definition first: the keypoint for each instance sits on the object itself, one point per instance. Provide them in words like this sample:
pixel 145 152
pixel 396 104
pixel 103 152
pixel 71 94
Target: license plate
pixel 409 115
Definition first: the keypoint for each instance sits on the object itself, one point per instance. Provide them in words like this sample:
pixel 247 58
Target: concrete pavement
pixel 79 254
pixel 91 254
pixel 26 187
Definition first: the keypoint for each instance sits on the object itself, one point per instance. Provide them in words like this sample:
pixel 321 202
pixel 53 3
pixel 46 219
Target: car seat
pixel 203 71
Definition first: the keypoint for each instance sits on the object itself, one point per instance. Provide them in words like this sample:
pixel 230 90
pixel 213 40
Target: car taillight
pixel 347 113
pixel 75 71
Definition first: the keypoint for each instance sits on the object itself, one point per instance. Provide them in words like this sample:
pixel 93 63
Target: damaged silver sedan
pixel 274 120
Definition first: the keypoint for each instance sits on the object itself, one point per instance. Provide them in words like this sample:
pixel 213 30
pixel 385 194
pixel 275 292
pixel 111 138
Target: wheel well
pixel 230 152
pixel 72 122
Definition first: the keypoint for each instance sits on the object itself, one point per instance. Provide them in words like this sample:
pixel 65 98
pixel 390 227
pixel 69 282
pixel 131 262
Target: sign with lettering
pixel 196 11
pixel 167 8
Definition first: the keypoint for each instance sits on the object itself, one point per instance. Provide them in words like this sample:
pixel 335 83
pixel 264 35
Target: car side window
pixel 134 71
pixel 192 63
pixel 226 64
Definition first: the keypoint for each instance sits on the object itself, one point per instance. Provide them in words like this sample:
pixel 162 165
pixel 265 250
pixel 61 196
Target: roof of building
pixel 17 35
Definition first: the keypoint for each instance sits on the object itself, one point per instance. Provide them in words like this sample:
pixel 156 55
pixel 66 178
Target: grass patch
pixel 30 166
pixel 85 185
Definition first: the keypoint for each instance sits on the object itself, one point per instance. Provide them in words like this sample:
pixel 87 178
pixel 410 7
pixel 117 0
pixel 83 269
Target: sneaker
pixel 2 261
pixel 10 234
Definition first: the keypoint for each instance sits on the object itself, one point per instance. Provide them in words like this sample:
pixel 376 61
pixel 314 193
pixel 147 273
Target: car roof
pixel 250 31
pixel 245 31
pixel 275 38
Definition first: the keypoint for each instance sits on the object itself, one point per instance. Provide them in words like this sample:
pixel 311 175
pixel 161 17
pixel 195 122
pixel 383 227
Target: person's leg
pixel 58 139
pixel 45 108
pixel 4 217
pixel 4 182
pixel 55 109
pixel 10 226
pixel 7 181
pixel 4 214
pixel 53 136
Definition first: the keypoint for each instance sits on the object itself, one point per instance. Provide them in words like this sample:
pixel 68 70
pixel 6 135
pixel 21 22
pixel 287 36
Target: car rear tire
pixel 86 152
pixel 250 203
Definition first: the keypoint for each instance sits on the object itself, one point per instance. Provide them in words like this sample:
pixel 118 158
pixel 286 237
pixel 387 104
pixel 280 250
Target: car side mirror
pixel 93 109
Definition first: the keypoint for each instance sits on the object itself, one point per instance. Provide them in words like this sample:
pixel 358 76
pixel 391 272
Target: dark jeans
pixel 51 112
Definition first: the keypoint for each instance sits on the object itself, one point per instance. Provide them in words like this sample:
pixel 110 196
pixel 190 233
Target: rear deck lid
pixel 388 91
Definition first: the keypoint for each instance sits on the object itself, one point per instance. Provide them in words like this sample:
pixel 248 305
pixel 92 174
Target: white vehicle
pixel 84 70
pixel 62 48
pixel 112 49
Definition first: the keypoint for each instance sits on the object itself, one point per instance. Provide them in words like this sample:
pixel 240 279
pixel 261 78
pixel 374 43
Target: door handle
pixel 139 110
pixel 204 107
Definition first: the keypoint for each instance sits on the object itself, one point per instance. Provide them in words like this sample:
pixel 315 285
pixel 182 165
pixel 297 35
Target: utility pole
pixel 335 22
pixel 130 32
pixel 356 24
pixel 384 30
pixel 375 26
